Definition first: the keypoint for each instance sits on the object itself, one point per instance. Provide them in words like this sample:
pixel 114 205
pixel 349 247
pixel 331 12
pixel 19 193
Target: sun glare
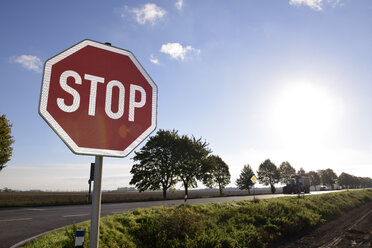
pixel 303 115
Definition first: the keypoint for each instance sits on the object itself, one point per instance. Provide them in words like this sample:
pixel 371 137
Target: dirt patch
pixel 352 229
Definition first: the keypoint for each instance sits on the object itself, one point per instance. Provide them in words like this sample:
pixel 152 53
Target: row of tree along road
pixel 168 158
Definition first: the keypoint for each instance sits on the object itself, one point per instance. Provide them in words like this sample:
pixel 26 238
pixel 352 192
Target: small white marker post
pixel 96 203
pixel 79 239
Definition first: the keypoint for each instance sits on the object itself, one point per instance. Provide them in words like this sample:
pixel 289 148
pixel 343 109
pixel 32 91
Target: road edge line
pixel 36 236
pixel 42 234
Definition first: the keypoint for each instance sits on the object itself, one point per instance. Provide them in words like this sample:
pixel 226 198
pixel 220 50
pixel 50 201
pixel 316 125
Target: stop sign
pixel 98 99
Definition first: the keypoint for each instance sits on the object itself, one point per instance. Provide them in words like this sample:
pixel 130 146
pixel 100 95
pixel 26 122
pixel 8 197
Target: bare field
pixel 13 199
pixel 351 229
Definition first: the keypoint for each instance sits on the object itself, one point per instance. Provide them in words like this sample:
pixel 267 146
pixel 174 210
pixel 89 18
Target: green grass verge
pixel 229 224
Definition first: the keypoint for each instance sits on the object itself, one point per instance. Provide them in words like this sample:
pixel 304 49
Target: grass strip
pixel 258 224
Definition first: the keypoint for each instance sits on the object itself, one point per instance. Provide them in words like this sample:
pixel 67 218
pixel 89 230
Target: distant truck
pixel 297 185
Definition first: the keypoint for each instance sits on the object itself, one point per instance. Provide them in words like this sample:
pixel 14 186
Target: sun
pixel 303 114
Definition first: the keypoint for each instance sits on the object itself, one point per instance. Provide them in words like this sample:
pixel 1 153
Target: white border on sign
pixel 59 130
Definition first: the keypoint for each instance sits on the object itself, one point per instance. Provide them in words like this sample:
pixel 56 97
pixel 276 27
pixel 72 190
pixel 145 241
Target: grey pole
pixel 96 203
pixel 254 194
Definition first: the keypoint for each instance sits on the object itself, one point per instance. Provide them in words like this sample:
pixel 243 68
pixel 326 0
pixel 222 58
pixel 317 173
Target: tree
pixel 301 172
pixel 366 182
pixel 268 174
pixel 6 141
pixel 356 182
pixel 218 171
pixel 351 181
pixel 314 178
pixel 156 163
pixel 345 180
pixel 190 159
pixel 327 177
pixel 286 171
pixel 244 181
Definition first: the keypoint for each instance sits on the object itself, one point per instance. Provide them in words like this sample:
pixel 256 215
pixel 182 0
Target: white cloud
pixel 179 4
pixel 314 4
pixel 177 51
pixel 335 2
pixel 150 12
pixel 30 62
pixel 154 60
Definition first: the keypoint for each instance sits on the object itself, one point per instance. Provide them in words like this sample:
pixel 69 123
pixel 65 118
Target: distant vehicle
pixel 323 188
pixel 297 185
pixel 337 187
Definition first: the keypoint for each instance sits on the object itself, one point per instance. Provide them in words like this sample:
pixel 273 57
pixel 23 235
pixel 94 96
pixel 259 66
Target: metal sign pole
pixel 96 203
pixel 254 194
pixel 91 178
pixel 90 189
pixel 253 180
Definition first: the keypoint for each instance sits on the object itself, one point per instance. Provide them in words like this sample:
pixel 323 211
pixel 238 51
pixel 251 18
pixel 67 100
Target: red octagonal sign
pixel 98 99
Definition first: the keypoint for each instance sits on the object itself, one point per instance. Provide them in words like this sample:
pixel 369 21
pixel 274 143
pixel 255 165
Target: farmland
pixel 21 199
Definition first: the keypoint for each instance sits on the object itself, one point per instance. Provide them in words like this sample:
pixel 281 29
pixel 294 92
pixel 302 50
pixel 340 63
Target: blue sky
pixel 288 80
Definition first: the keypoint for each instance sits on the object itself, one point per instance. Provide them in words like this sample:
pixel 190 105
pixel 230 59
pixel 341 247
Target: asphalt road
pixel 20 224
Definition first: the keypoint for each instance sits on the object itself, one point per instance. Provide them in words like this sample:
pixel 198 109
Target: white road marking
pixel 16 219
pixel 36 209
pixel 117 212
pixel 74 215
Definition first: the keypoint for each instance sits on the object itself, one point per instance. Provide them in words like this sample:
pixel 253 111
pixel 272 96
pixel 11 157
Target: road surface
pixel 20 224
